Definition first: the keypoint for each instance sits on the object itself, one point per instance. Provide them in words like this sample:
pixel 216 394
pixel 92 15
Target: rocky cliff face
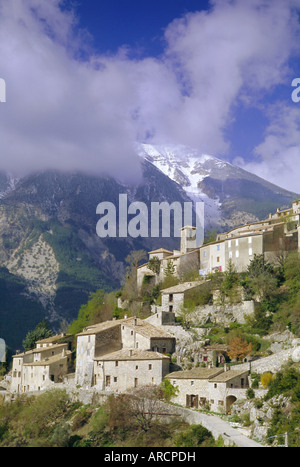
pixel 48 238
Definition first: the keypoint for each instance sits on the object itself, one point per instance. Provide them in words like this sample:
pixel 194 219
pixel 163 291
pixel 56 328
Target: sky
pixel 86 79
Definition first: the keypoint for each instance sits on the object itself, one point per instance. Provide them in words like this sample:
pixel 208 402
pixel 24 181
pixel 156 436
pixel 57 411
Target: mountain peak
pixel 231 195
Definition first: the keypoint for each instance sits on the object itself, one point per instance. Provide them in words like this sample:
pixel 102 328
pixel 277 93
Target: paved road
pixel 217 427
pixel 230 435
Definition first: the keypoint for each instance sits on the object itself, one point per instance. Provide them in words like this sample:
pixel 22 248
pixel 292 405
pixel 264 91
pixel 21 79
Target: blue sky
pixel 88 77
pixel 137 23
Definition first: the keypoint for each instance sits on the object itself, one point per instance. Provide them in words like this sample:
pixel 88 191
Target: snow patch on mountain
pixel 187 167
pixel 9 185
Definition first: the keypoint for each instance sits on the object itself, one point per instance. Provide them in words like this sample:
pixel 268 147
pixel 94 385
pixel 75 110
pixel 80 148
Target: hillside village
pixel 119 355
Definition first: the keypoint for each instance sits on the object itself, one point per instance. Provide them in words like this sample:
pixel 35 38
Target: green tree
pixel 42 331
pixel 229 287
pixel 168 390
pixel 169 270
pixel 210 236
pixel 154 265
pixel 99 308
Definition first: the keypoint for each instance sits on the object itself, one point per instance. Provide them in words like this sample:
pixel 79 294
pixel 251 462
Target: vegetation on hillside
pixel 53 420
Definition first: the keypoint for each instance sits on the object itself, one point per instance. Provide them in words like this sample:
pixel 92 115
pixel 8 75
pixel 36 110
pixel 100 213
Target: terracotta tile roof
pixel 96 328
pixel 132 354
pixel 180 288
pixel 227 376
pixel 146 329
pixel 195 373
pixel 49 360
pixel 141 327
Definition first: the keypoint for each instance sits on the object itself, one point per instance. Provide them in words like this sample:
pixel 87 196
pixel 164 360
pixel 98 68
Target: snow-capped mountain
pixel 231 195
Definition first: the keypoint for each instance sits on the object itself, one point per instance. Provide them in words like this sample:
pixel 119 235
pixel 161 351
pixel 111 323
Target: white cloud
pixel 278 156
pixel 69 113
pixel 60 112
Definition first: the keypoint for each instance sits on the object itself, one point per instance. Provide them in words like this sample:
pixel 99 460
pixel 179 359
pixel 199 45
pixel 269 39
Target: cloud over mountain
pixel 69 107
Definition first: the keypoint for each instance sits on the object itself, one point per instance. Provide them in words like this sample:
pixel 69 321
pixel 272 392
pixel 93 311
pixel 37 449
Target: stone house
pixel 183 260
pixel 212 354
pixel 214 388
pixel 40 368
pixel 97 342
pixel 278 234
pixel 129 368
pixel 173 298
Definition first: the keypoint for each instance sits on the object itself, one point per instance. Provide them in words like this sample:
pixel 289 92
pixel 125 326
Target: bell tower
pixel 188 239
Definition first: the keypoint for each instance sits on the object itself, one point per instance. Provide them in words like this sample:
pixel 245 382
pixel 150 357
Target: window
pixel 218 247
pixel 250 240
pixel 136 382
pixel 237 242
pixel 229 243
pixel 250 251
pixel 170 297
pixel 115 379
pixel 192 383
pixel 237 254
pixel 215 385
pixel 136 367
pixel 150 366
pixel 218 259
pixel 131 333
pixel 230 254
pixel 204 254
pixel 117 363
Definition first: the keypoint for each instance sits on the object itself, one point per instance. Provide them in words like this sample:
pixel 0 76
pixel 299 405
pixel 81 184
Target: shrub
pixel 250 394
pixel 195 436
pixel 266 379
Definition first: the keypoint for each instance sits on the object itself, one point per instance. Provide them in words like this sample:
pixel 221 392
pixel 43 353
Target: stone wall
pixel 272 363
pixel 218 314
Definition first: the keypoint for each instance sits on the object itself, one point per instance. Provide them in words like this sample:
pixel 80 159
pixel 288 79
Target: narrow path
pixel 216 426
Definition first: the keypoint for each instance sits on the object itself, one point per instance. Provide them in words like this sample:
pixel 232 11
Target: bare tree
pixel 144 406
